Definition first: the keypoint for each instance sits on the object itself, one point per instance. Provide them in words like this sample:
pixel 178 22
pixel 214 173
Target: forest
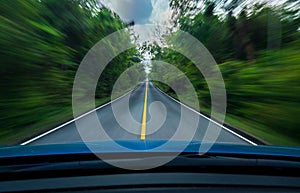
pixel 42 44
pixel 257 50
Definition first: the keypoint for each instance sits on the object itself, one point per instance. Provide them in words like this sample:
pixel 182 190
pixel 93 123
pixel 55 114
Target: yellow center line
pixel 144 119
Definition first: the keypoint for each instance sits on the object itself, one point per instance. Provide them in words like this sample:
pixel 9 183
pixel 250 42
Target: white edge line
pixel 66 123
pixel 222 126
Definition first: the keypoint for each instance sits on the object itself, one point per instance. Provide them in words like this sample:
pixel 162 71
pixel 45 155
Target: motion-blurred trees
pixel 42 43
pixel 256 49
pixel 237 34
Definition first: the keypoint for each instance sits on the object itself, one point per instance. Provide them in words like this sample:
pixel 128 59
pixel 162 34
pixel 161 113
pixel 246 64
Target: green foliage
pixel 258 55
pixel 266 92
pixel 42 43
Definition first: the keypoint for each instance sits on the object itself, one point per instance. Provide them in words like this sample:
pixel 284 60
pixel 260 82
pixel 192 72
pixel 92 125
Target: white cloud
pixel 141 11
pixel 138 11
pixel 161 12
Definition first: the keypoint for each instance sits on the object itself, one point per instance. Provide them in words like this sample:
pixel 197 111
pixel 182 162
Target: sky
pixel 141 11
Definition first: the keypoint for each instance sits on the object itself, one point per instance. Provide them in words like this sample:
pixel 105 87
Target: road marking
pixel 67 123
pixel 222 126
pixel 144 119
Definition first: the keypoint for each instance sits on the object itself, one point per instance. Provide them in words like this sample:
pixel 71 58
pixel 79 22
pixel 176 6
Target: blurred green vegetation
pixel 257 51
pixel 42 43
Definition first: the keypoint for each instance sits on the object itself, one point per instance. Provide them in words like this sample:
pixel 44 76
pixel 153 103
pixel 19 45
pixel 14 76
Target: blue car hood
pixel 146 146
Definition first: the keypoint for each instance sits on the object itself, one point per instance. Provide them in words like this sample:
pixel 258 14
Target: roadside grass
pixel 259 131
pixel 44 117
pixel 47 121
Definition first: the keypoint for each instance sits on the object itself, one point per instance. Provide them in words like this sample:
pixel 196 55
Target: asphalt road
pixel 163 118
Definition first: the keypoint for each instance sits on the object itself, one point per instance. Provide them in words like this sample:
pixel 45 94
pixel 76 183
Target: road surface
pixel 141 120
